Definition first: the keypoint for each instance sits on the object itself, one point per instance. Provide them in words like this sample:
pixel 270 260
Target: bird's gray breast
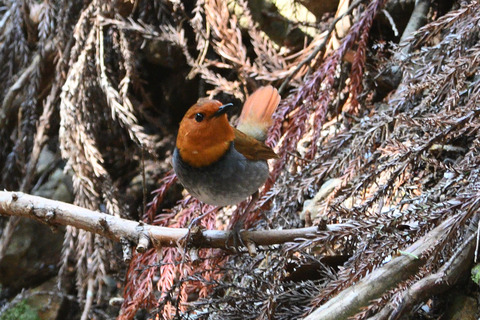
pixel 230 180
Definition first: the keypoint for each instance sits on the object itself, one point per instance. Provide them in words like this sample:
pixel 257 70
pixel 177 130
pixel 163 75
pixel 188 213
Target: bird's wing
pixel 251 148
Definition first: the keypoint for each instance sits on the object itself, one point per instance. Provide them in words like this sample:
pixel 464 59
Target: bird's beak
pixel 222 110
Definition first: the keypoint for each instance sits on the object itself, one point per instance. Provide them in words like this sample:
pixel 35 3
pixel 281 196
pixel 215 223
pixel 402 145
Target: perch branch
pixel 351 300
pixel 60 213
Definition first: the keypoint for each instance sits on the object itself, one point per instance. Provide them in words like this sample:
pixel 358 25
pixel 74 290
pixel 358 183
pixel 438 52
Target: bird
pixel 217 163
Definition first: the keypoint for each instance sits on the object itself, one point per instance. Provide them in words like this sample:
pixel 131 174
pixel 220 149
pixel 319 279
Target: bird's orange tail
pixel 256 116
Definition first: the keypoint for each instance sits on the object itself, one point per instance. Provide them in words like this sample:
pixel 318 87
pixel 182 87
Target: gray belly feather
pixel 229 181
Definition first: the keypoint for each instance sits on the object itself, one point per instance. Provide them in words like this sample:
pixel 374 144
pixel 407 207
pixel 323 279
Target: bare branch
pixel 59 213
pixel 438 282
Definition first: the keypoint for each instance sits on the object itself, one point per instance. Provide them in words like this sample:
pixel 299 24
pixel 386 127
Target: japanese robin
pixel 217 163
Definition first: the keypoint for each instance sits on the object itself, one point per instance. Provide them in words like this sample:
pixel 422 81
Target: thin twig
pixel 89 302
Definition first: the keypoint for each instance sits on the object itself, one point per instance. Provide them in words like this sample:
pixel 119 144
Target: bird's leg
pixel 197 220
pixel 193 226
pixel 240 223
pixel 250 205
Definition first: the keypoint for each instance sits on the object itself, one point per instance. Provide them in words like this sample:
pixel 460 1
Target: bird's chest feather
pixel 229 180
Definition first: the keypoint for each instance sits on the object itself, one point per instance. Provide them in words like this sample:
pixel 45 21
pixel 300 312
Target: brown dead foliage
pixel 82 78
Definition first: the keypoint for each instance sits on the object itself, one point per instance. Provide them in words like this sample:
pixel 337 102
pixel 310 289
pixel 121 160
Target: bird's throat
pixel 202 156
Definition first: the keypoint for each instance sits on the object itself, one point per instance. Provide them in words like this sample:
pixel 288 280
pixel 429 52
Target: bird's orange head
pixel 204 134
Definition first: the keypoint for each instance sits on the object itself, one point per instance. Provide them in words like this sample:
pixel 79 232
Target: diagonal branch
pixel 435 283
pixel 319 48
pixel 351 300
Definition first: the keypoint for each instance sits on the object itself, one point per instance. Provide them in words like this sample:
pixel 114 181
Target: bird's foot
pixel 234 240
pixel 195 229
pixel 238 238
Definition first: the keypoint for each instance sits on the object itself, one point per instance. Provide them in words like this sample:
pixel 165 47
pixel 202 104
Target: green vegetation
pixel 21 311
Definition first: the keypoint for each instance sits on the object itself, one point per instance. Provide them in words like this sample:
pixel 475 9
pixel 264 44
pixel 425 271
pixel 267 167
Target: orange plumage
pixel 217 163
pixel 202 143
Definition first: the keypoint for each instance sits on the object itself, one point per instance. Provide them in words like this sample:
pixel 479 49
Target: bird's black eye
pixel 199 117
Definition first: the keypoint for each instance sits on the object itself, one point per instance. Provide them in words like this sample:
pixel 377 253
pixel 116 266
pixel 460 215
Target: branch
pixel 351 300
pixel 436 283
pixel 56 213
pixel 390 78
pixel 319 48
pixel 7 102
pixel 417 20
pixel 13 91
